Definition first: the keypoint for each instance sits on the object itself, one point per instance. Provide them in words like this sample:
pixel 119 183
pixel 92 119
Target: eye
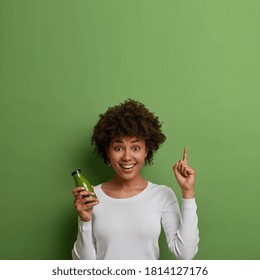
pixel 118 149
pixel 136 148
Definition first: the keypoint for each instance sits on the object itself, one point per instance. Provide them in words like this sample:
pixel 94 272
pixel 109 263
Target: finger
pixel 86 193
pixel 190 171
pixel 77 190
pixel 85 207
pixel 177 170
pixel 85 204
pixel 185 172
pixel 91 205
pixel 180 166
pixel 184 164
pixel 185 155
pixel 88 199
pixel 181 169
pixel 80 192
pixel 81 200
pixel 176 166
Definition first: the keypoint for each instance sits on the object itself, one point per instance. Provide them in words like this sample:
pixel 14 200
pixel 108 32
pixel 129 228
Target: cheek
pixel 113 157
pixel 141 157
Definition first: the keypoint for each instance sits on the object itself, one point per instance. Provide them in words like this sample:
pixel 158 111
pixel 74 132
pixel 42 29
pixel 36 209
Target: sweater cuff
pixel 84 225
pixel 188 203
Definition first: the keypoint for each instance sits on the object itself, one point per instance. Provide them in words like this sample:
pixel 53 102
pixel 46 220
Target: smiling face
pixel 127 156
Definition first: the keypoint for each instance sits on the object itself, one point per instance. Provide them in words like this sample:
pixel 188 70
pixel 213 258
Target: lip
pixel 127 166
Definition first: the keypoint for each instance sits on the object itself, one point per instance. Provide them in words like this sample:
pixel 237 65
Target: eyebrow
pixel 120 141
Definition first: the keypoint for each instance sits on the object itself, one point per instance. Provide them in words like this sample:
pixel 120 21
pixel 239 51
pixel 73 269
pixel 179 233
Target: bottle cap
pixel 76 171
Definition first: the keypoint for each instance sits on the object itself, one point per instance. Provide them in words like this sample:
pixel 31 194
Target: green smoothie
pixel 81 181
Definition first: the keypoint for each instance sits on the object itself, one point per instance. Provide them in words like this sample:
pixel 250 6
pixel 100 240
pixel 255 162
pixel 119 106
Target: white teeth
pixel 128 166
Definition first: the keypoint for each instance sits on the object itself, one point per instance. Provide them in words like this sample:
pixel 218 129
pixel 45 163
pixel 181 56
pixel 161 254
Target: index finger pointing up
pixel 185 155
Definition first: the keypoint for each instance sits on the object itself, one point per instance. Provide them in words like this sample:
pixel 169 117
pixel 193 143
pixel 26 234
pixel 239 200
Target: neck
pixel 128 184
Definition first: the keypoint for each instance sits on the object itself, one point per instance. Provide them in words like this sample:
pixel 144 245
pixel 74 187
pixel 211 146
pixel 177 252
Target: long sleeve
pixel 129 228
pixel 84 247
pixel 181 227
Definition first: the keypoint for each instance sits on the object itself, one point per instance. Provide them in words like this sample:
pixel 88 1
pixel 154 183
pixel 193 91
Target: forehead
pixel 127 139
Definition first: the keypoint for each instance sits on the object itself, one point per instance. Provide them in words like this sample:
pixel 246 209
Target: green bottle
pixel 81 181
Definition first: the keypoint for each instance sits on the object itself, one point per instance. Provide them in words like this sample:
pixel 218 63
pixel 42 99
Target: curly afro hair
pixel 130 118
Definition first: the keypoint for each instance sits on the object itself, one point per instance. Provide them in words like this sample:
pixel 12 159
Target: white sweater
pixel 129 228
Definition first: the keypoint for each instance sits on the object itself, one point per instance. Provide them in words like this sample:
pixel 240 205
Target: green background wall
pixel 196 64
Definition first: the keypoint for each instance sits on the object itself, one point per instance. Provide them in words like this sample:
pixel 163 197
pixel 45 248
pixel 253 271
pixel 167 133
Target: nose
pixel 126 155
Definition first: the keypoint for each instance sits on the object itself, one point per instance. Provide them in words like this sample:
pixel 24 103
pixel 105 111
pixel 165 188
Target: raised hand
pixel 185 176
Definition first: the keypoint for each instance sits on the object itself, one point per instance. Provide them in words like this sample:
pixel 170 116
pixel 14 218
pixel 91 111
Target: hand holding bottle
pixel 84 203
pixel 85 197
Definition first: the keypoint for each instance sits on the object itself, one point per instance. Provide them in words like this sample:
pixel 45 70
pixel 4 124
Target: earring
pixel 108 163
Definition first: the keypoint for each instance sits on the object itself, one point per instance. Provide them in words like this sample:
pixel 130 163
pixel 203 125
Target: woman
pixel 125 221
